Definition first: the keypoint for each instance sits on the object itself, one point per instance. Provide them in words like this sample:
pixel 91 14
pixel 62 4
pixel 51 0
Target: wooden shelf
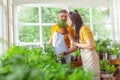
pixel 115 61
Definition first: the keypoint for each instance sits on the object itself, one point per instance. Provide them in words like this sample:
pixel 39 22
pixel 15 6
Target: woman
pixel 85 41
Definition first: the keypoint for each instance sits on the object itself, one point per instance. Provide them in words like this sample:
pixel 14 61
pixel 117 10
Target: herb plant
pixel 61 24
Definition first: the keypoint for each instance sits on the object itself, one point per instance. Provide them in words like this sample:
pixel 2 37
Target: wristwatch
pixel 65 53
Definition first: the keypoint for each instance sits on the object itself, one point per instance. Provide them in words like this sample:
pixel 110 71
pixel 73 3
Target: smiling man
pixel 59 41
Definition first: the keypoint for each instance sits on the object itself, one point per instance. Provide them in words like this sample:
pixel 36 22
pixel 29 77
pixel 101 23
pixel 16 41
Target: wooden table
pixel 115 61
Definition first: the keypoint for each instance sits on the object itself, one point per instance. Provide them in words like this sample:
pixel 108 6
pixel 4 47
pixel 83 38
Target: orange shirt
pixel 66 39
pixel 85 33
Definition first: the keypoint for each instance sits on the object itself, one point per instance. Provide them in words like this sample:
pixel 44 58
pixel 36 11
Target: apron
pixel 59 45
pixel 90 61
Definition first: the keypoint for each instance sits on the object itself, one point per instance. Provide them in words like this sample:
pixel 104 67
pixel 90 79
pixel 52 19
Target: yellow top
pixel 85 33
pixel 66 39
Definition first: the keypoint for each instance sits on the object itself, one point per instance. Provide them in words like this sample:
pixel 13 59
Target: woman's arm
pixel 89 44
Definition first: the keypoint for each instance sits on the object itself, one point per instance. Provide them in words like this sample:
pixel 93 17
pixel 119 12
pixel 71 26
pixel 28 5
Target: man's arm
pixel 70 50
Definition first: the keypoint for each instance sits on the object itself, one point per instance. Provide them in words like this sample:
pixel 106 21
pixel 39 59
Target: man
pixel 61 42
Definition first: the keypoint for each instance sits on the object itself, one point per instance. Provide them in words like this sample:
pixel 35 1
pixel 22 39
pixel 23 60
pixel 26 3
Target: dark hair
pixel 62 11
pixel 77 21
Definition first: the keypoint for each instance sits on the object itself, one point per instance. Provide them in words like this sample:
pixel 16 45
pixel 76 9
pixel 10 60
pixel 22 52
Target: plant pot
pixel 77 63
pixel 112 56
pixel 63 30
pixel 119 55
pixel 106 75
pixel 105 56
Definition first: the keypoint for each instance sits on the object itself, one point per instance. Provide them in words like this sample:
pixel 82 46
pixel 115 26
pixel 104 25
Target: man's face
pixel 62 17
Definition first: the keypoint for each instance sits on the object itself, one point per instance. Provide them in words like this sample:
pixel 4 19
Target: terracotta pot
pixel 63 30
pixel 77 63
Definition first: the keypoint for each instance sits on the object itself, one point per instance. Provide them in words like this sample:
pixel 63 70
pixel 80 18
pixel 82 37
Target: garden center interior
pixel 27 24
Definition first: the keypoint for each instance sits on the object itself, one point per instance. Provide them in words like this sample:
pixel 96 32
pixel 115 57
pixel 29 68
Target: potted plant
pixel 76 59
pixel 62 25
pixel 102 47
pixel 106 69
pixel 114 50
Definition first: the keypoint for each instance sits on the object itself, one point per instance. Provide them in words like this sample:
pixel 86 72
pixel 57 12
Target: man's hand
pixel 62 54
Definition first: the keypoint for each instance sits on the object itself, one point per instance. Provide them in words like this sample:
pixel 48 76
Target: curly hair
pixel 62 11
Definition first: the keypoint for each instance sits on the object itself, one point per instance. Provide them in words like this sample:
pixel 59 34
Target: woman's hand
pixel 74 43
pixel 89 44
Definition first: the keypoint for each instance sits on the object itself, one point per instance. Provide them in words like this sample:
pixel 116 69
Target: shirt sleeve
pixel 52 29
pixel 87 34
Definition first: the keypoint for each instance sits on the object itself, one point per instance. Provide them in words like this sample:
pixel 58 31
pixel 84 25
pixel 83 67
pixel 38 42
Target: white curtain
pixel 116 20
pixel 118 7
pixel 1 29
pixel 1 2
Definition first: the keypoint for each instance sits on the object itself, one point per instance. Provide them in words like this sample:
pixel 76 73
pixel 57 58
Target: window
pixel 98 19
pixel 49 17
pixel 102 22
pixel 27 25
pixel 33 24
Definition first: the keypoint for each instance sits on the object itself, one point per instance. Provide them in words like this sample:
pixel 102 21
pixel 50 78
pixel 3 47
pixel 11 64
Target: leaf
pixel 61 24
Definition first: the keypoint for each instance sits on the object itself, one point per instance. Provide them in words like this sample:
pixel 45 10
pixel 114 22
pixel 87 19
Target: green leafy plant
pixel 32 64
pixel 106 67
pixel 102 45
pixel 110 68
pixel 114 48
pixel 103 65
pixel 61 24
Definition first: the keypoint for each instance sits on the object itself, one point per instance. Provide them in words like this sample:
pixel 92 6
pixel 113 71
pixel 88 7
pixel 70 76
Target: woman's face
pixel 69 22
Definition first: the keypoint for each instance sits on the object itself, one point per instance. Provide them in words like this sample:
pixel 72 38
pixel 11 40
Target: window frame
pixel 40 23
